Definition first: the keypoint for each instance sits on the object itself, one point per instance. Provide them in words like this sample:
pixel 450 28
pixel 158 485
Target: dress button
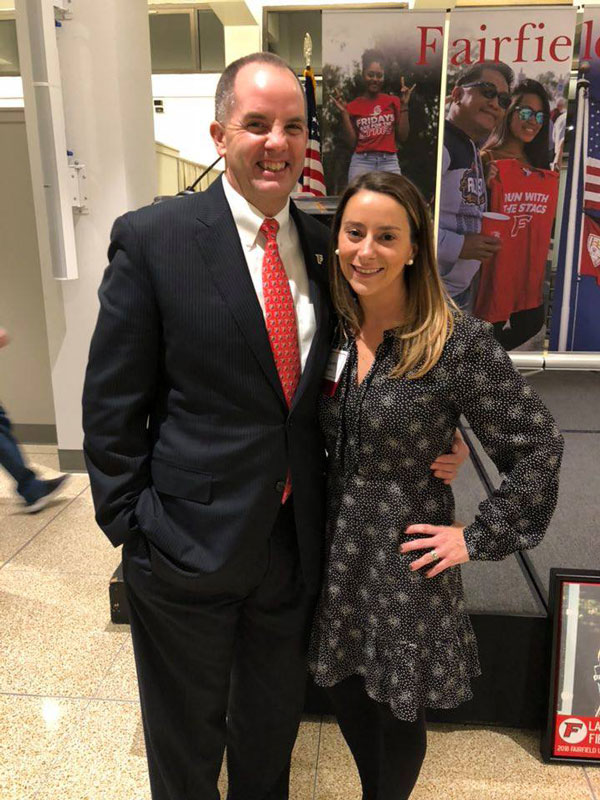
pixel 280 486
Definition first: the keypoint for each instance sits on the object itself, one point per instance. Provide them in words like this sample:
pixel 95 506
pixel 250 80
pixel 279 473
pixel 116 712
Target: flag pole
pixel 582 102
pixel 307 50
pixel 586 136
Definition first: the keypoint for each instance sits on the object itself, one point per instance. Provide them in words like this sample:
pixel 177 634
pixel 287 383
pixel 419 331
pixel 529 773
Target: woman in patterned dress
pixel 391 635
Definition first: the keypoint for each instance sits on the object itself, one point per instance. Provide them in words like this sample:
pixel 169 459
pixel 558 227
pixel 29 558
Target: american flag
pixel 591 189
pixel 312 180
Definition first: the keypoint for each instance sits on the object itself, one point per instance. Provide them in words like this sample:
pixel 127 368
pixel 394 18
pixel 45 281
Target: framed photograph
pixel 573 731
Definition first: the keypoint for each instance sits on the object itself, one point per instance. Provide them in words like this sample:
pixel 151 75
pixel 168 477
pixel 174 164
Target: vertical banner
pixel 508 81
pixel 381 95
pixel 575 318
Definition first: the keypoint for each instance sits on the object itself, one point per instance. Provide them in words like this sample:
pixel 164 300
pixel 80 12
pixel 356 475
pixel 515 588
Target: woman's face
pixel 374 243
pixel 373 77
pixel 525 130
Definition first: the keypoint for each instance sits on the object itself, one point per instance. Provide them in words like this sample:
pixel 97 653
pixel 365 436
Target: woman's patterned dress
pixel 409 636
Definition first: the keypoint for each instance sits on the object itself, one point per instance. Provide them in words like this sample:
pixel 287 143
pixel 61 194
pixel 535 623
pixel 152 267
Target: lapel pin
pixel 319 258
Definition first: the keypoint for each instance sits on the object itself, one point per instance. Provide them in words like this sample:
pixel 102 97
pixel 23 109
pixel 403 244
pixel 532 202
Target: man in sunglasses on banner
pixel 478 103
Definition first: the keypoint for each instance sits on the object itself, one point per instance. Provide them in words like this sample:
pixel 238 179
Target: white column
pixel 104 52
pixel 241 27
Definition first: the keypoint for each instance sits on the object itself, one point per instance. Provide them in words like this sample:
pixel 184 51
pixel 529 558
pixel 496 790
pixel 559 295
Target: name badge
pixel 333 370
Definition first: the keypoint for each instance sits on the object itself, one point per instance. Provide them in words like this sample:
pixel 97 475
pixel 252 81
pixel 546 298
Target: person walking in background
pixel 391 636
pixel 517 164
pixel 375 123
pixel 36 492
pixel 478 103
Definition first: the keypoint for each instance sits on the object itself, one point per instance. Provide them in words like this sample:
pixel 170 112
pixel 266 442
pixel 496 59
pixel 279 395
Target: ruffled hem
pixel 406 711
pixel 405 675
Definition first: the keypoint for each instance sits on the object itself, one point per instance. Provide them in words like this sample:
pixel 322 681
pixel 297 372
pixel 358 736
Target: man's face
pixel 264 137
pixel 475 114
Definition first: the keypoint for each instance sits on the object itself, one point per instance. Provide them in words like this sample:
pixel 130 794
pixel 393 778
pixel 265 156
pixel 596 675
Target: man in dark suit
pixel 203 448
pixel 192 444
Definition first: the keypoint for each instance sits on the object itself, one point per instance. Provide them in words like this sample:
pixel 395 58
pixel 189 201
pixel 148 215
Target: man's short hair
pixel 225 97
pixel 474 73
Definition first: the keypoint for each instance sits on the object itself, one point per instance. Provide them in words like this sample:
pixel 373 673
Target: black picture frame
pixel 572 734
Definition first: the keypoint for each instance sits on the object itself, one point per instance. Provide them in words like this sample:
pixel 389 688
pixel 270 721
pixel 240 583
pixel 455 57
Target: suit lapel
pixel 317 284
pixel 221 251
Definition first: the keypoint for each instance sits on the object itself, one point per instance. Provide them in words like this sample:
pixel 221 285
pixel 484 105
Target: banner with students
pixel 575 317
pixel 508 76
pixel 382 74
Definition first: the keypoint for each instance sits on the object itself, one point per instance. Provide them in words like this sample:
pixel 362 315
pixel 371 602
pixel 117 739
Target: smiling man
pixel 479 100
pixel 199 418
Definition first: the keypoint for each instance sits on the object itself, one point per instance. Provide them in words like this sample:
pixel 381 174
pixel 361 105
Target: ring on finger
pixel 434 555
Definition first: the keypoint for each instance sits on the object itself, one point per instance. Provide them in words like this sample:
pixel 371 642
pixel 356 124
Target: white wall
pixel 105 67
pixel 11 93
pixel 188 102
pixel 25 383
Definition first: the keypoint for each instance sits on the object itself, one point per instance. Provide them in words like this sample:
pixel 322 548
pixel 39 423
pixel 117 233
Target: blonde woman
pixel 391 636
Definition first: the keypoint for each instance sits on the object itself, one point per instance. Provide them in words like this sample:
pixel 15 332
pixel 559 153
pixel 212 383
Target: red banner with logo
pixel 590 249
pixel 577 737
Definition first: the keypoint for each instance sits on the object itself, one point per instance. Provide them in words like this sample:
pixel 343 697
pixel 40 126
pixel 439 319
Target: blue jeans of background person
pixel 28 486
pixel 372 162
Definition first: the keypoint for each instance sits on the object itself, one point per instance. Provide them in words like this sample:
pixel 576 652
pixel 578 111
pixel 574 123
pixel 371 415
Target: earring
pixel 410 262
pixel 337 252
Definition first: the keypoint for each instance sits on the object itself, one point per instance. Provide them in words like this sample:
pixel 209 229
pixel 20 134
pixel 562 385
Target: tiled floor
pixel 69 719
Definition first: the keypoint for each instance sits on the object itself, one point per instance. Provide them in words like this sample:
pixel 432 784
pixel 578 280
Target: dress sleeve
pixel 520 436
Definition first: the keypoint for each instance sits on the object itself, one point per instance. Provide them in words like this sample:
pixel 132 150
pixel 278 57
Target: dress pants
pixel 224 667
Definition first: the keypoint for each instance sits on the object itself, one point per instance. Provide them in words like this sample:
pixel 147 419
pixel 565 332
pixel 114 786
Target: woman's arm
pixel 522 439
pixel 490 168
pixel 402 123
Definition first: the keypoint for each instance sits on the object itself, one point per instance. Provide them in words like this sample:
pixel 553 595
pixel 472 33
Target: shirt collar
pixel 248 218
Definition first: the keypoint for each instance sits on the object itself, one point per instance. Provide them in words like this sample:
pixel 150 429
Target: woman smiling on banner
pixel 522 186
pixel 375 122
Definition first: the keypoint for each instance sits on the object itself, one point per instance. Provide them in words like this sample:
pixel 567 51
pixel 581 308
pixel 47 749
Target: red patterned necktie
pixel 280 318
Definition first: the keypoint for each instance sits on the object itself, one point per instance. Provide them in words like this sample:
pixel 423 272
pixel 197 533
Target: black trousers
pixel 221 669
pixel 388 751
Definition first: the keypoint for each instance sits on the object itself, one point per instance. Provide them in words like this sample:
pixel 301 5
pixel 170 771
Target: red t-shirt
pixel 375 123
pixel 513 279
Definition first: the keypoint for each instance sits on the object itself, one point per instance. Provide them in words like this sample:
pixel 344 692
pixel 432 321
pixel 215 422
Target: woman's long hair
pixel 537 151
pixel 429 318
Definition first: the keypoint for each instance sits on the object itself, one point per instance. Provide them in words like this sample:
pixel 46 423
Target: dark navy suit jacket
pixel 187 435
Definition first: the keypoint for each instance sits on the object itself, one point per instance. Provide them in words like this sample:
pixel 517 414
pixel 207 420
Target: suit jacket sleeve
pixel 120 385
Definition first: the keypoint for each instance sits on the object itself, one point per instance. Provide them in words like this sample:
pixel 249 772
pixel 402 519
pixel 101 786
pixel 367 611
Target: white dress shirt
pixel 248 220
